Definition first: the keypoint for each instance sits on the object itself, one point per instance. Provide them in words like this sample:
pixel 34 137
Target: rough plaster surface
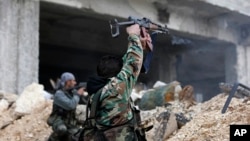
pixel 243 64
pixel 18 44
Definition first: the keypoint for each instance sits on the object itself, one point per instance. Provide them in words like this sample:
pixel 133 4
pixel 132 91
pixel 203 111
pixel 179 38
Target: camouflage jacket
pixel 114 106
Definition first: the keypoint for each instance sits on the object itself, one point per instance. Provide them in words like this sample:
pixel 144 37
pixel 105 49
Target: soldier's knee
pixel 61 129
pixel 53 137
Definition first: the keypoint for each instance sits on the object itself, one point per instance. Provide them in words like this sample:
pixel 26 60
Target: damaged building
pixel 208 43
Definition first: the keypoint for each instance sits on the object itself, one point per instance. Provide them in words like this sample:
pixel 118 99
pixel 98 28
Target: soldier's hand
pixel 134 29
pixel 145 40
pixel 80 91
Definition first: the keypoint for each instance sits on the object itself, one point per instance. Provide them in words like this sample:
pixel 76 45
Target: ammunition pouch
pixel 55 115
pixel 52 118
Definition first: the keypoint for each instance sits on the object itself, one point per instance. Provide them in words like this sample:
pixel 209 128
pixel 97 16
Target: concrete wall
pixel 243 64
pixel 184 20
pixel 210 19
pixel 241 6
pixel 19 21
pixel 19 50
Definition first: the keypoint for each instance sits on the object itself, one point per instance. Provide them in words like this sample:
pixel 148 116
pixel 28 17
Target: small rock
pixel 4 104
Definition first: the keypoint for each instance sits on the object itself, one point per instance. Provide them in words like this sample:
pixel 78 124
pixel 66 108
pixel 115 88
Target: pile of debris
pixel 166 108
pixel 201 121
pixel 23 117
pixel 209 123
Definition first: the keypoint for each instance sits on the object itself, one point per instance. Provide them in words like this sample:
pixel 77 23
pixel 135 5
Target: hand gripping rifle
pixel 145 24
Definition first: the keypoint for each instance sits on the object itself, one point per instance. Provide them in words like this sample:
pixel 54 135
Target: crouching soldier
pixel 62 119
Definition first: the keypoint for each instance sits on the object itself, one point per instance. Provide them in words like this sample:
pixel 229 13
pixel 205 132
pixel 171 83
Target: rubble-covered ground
pixel 210 124
pixel 23 118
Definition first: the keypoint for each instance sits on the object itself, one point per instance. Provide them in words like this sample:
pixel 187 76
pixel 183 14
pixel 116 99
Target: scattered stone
pixel 30 99
pixel 209 123
pixel 4 104
pixel 172 122
pixel 11 98
pixel 31 127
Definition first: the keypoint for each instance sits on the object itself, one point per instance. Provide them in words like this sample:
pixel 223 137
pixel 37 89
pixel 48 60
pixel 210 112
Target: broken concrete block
pixel 5 119
pixel 4 104
pixel 11 98
pixel 31 98
pixel 164 123
pixel 171 126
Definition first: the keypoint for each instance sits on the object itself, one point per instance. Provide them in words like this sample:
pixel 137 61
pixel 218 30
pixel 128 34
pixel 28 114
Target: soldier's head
pixel 68 80
pixel 109 66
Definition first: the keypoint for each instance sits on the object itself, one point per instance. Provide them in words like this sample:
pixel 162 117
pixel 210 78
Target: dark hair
pixel 109 66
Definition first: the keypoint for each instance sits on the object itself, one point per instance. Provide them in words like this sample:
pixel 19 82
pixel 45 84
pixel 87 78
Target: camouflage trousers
pixel 123 133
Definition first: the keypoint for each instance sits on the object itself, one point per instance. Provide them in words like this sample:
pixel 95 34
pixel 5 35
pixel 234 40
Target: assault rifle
pixel 83 99
pixel 145 24
pixel 80 85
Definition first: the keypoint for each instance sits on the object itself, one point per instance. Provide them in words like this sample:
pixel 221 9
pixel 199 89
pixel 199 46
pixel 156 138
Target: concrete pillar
pixel 243 64
pixel 248 65
pixel 19 46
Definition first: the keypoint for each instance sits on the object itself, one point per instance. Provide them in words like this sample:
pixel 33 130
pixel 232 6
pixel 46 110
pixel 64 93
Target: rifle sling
pixel 93 105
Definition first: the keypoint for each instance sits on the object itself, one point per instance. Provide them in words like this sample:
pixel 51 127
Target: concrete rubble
pixel 23 118
pixel 209 124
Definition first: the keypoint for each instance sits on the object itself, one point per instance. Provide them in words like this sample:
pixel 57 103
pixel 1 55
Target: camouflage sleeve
pixel 64 102
pixel 127 77
pixel 132 60
pixel 115 106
